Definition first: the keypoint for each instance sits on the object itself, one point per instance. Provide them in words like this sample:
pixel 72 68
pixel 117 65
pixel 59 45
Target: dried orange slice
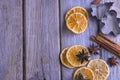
pixel 77 23
pixel 100 69
pixel 64 59
pixel 77 10
pixel 72 57
pixel 83 73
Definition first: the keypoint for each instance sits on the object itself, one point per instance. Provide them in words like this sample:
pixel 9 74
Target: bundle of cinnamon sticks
pixel 107 43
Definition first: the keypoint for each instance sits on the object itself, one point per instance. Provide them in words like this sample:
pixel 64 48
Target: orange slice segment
pixel 72 53
pixel 77 23
pixel 100 69
pixel 64 59
pixel 83 73
pixel 77 10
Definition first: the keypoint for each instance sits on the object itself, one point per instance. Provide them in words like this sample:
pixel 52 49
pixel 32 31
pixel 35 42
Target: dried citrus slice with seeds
pixel 77 23
pixel 100 69
pixel 77 10
pixel 83 73
pixel 64 59
pixel 77 55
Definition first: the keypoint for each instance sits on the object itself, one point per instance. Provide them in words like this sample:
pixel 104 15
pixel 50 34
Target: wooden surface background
pixel 32 34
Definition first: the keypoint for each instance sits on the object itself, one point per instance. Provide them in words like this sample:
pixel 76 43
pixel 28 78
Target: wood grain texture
pixel 114 71
pixel 42 40
pixel 68 38
pixel 11 40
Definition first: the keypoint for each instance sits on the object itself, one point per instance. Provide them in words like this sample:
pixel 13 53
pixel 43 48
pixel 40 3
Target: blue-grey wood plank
pixel 42 40
pixel 11 40
pixel 68 38
pixel 114 71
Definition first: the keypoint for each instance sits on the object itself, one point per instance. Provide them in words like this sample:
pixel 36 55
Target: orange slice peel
pixel 72 58
pixel 100 69
pixel 83 72
pixel 64 60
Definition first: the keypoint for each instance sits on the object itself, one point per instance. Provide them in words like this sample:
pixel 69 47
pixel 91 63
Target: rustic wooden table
pixel 32 34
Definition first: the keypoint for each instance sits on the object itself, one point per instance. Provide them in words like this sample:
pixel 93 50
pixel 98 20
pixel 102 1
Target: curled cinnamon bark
pixel 107 43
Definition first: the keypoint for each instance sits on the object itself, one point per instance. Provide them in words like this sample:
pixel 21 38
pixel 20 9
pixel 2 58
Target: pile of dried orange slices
pixel 77 19
pixel 96 69
pixel 68 56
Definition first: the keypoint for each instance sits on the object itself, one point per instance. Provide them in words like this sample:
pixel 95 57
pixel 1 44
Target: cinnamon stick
pixel 96 2
pixel 110 40
pixel 106 47
pixel 107 43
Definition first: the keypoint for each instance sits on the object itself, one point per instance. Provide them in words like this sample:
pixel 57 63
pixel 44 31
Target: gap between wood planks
pixel 24 39
pixel 59 3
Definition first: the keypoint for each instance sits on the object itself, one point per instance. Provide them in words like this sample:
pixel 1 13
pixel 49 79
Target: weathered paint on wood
pixel 42 40
pixel 11 40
